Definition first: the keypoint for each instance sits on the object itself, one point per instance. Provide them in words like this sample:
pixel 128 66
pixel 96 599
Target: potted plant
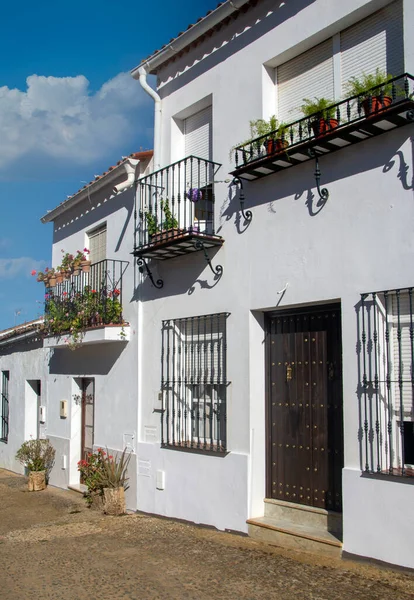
pixel 167 228
pixel 259 128
pixel 66 265
pixel 80 262
pixel 371 100
pixel 105 477
pixel 85 262
pixel 321 114
pixel 38 457
pixel 51 278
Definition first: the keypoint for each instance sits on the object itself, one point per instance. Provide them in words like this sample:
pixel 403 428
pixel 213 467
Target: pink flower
pixel 33 272
pixel 87 251
pixel 116 292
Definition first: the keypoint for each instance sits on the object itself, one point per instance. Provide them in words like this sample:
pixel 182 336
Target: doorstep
pixel 78 487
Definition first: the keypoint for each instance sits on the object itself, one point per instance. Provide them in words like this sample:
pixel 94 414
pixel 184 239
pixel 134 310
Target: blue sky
pixel 65 90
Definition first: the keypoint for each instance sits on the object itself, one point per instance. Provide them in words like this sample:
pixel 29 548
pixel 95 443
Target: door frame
pixel 310 309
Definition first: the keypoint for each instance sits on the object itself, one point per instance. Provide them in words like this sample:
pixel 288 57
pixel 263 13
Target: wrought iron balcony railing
pixel 85 299
pixel 175 207
pixel 349 121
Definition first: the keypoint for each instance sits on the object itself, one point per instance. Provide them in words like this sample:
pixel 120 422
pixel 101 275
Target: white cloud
pixel 13 267
pixel 60 118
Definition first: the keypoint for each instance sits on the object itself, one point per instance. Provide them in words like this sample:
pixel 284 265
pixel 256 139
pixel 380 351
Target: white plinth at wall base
pixel 298 527
pixel 99 335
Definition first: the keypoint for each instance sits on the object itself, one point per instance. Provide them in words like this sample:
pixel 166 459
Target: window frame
pixel 5 406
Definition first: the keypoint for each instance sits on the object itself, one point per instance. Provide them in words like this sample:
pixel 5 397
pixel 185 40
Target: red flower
pixel 93 292
pixel 33 272
pixel 64 294
pixel 116 292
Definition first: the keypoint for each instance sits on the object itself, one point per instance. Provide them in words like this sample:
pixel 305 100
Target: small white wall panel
pixel 374 42
pixel 308 75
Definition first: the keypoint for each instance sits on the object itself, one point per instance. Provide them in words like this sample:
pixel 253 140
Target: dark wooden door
pixel 304 377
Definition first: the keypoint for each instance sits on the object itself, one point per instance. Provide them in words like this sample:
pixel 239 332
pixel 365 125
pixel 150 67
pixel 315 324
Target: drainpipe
pixel 142 75
pixel 130 168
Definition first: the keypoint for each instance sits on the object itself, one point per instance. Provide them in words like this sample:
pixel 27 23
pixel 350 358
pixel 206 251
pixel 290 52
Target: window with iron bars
pixel 5 406
pixel 193 383
pixel 386 390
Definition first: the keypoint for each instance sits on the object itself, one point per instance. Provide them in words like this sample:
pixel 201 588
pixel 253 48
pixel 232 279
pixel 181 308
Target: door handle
pixel 289 372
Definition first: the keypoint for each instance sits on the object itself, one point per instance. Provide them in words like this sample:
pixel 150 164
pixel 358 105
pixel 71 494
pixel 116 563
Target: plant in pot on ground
pixel 38 457
pixel 105 477
pixel 321 114
pixel 371 100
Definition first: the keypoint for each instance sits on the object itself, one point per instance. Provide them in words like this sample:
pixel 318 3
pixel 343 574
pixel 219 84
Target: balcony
pixel 86 307
pixel 175 210
pixel 353 120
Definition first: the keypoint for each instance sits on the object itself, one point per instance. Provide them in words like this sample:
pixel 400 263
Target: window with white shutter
pixel 197 133
pixel 373 43
pixel 97 244
pixel 308 75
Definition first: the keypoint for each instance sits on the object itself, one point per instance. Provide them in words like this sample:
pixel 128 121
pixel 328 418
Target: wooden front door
pixel 304 407
pixel 88 403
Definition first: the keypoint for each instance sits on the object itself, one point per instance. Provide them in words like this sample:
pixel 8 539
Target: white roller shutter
pixel 402 354
pixel 97 244
pixel 308 75
pixel 197 131
pixel 374 42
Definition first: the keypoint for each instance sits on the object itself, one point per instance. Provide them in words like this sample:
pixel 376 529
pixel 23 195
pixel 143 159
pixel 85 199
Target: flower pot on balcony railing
pixel 86 266
pixel 59 277
pixel 321 115
pixel 274 145
pixel 372 90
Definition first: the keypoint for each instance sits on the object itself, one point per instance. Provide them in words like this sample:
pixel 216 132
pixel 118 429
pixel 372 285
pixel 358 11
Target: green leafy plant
pixel 362 86
pixel 36 455
pixel 100 470
pixel 167 219
pixel 320 108
pixel 259 128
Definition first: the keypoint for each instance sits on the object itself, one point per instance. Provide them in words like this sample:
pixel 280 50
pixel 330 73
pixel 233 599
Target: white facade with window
pixel 297 252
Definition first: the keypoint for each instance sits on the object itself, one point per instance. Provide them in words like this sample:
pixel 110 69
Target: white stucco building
pixel 265 385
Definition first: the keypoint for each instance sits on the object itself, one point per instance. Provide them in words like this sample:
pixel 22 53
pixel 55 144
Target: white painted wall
pixel 361 240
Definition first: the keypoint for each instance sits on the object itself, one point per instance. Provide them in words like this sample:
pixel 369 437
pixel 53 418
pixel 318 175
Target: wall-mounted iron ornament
pixel 142 264
pixel 218 271
pixel 248 215
pixel 323 192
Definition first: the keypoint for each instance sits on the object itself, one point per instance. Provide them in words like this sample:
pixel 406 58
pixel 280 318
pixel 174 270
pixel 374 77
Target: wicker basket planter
pixel 37 481
pixel 114 501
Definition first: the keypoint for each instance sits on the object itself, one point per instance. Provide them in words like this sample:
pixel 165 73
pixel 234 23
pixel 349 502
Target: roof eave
pixel 152 64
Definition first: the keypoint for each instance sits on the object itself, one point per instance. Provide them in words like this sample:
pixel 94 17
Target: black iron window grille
pixel 193 383
pixel 93 297
pixel 5 406
pixel 176 200
pixel 386 389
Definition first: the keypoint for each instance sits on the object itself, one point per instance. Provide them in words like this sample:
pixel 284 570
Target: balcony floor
pixel 96 335
pixel 388 119
pixel 185 243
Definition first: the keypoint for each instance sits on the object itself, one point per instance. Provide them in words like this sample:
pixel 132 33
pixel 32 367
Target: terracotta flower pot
pixel 276 145
pixel 76 271
pixel 66 275
pixel 37 481
pixel 323 126
pixel 114 501
pixel 52 281
pixel 86 266
pixel 373 104
pixel 168 234
pixel 59 278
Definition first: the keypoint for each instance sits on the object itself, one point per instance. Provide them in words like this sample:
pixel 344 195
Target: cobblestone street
pixel 53 547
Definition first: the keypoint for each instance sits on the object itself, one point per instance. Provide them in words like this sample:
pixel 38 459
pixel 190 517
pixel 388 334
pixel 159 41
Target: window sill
pixel 209 450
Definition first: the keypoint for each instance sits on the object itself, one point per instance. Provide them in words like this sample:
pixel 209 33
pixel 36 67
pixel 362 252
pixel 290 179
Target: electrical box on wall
pixel 42 413
pixel 63 409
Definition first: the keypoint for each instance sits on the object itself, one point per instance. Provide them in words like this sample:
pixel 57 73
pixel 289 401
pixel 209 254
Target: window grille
pixel 193 383
pixel 386 366
pixel 5 406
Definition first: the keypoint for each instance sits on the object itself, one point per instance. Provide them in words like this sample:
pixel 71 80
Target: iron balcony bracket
pixel 410 115
pixel 141 265
pixel 248 216
pixel 323 192
pixel 218 271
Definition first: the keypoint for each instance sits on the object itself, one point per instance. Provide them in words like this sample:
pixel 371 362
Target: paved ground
pixel 52 547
